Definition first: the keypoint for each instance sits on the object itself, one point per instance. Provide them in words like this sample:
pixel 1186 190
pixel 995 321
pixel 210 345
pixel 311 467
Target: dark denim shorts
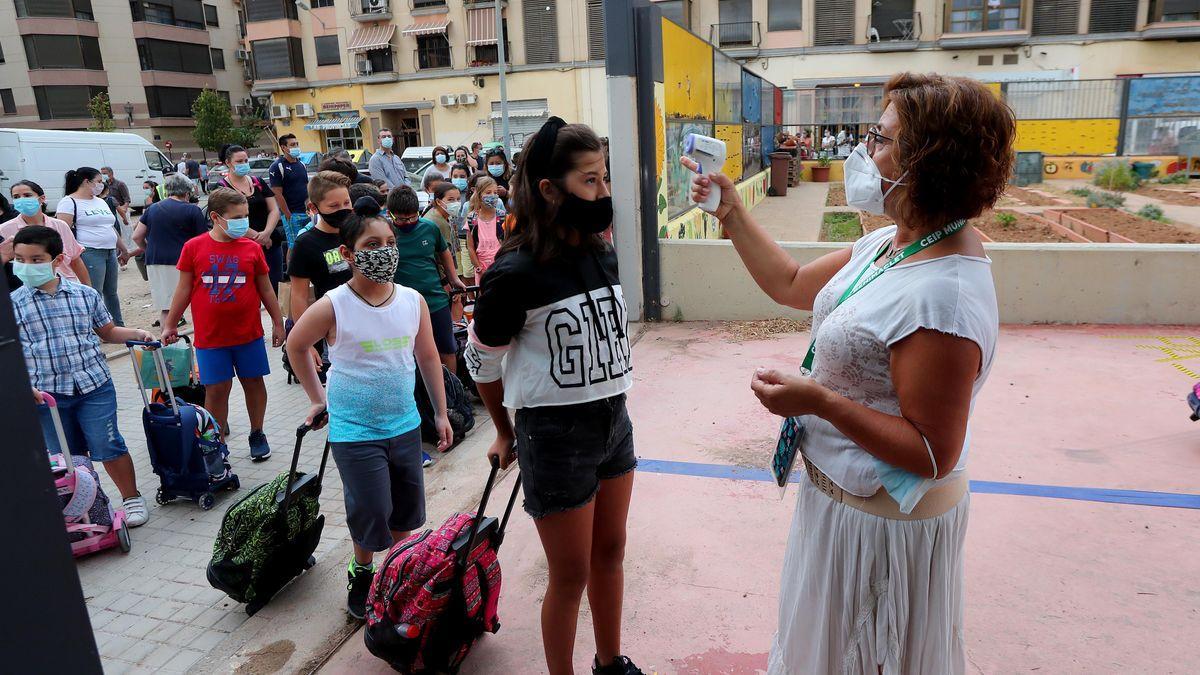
pixel 565 451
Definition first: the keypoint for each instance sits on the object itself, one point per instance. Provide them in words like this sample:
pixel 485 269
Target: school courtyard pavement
pixel 1080 553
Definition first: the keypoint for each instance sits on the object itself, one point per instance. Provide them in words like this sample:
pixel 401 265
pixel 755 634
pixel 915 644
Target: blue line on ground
pixel 1175 500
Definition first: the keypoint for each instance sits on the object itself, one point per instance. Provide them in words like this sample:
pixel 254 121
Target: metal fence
pixel 1065 99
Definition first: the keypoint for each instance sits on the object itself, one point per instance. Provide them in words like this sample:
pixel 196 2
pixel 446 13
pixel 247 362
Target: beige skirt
pixel 865 594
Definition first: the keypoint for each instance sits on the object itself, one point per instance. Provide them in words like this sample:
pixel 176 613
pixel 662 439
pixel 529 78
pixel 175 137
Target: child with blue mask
pixel 29 201
pixel 499 170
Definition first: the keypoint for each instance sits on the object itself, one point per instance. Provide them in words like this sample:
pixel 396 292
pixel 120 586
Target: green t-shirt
pixel 418 268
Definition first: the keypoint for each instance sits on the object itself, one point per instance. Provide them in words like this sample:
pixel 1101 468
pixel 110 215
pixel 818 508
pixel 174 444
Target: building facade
pixel 338 72
pixel 152 58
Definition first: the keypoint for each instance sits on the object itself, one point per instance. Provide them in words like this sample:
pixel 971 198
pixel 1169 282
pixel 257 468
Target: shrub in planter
pixel 1105 200
pixel 1116 174
pixel 1151 212
pixel 1006 219
pixel 1177 178
pixel 1081 192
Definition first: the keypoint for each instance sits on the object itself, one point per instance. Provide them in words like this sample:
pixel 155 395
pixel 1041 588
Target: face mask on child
pixel 34 274
pixel 460 183
pixel 496 170
pixel 492 201
pixel 378 265
pixel 236 227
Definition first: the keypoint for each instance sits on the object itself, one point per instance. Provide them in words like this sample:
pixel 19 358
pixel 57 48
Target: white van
pixel 44 157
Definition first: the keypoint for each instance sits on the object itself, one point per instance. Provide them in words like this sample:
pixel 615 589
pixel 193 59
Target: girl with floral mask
pixel 29 200
pixel 379 336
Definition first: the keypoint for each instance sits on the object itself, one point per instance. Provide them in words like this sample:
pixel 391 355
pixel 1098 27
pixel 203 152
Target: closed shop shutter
pixel 525 118
pixel 1056 17
pixel 595 23
pixel 541 31
pixel 833 22
pixel 1113 16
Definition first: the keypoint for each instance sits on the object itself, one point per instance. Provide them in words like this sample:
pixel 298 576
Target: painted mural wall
pixel 1068 137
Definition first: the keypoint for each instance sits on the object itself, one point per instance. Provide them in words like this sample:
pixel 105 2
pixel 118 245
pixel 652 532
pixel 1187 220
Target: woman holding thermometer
pixel 905 324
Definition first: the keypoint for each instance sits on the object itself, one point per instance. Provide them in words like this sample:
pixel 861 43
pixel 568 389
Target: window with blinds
pixel 1113 16
pixel 175 57
pixel 1056 17
pixel 79 9
pixel 328 53
pixel 541 31
pixel 833 22
pixel 281 57
pixel 66 102
pixel 595 25
pixel 62 51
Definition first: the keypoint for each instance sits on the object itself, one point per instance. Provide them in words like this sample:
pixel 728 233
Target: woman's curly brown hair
pixel 955 142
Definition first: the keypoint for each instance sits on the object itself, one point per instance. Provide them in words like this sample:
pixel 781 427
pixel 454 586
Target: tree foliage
pixel 215 126
pixel 100 108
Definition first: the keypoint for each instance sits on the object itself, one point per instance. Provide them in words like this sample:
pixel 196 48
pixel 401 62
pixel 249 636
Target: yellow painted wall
pixel 732 135
pixel 687 73
pixel 697 224
pixel 835 170
pixel 1084 167
pixel 1068 137
pixel 994 87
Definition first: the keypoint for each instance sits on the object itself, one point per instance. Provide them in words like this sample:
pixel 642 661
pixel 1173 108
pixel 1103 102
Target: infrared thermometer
pixel 709 154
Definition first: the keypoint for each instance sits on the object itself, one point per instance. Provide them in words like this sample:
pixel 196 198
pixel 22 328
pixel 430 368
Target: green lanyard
pixel 860 282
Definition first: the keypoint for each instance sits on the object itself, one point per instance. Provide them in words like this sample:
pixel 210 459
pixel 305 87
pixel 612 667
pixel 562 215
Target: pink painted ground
pixel 1053 585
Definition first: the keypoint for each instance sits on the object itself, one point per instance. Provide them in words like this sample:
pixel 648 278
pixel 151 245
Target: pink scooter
pixel 75 478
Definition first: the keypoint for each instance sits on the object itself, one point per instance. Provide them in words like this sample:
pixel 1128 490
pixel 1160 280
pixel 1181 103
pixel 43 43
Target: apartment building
pixel 337 72
pixel 153 58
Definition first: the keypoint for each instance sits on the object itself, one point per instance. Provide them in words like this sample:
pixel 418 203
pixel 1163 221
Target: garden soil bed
pixel 837 195
pixel 1027 229
pixel 1030 197
pixel 1139 229
pixel 871 222
pixel 1169 196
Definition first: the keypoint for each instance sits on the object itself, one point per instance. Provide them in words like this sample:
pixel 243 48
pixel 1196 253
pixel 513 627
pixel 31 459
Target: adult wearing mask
pixel 119 192
pixel 461 156
pixel 264 211
pixel 29 203
pixel 98 229
pixel 160 235
pixel 499 170
pixel 385 164
pixel 905 325
pixel 289 181
pixel 440 169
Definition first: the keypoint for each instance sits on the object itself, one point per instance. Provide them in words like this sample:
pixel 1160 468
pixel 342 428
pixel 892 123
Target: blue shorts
pixel 89 423
pixel 217 365
pixel 443 331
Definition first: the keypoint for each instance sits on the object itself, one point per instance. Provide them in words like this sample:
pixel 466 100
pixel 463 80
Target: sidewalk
pixel 796 217
pixel 1074 561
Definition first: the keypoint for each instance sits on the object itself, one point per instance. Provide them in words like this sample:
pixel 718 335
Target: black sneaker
pixel 359 585
pixel 620 666
pixel 259 448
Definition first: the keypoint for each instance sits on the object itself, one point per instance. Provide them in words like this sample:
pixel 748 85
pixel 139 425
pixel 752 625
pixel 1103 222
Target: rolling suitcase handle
pixel 301 431
pixel 58 428
pixel 487 493
pixel 160 366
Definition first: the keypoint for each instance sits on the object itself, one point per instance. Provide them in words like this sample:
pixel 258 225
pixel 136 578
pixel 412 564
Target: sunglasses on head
pixel 495 152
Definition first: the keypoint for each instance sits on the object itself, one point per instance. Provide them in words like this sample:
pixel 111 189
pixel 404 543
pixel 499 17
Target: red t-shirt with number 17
pixel 225 299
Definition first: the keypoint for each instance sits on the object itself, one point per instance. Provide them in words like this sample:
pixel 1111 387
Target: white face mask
pixel 863 189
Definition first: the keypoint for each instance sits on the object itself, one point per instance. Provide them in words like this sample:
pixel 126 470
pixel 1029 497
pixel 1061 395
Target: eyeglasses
pixel 407 221
pixel 874 137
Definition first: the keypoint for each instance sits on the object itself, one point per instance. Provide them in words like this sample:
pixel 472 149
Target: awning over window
pixel 349 122
pixel 372 37
pixel 481 26
pixel 429 25
pixel 522 112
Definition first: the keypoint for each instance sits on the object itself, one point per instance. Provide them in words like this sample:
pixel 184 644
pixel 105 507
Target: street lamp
pixel 301 4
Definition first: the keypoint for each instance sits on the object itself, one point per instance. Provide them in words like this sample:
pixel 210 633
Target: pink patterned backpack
pixel 438 591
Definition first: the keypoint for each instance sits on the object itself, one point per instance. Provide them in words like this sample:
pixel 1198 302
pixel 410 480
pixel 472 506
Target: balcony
pixel 735 34
pixel 889 32
pixel 371 10
pixel 432 58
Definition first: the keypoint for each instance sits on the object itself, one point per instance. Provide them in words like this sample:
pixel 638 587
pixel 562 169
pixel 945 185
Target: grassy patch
pixel 841 226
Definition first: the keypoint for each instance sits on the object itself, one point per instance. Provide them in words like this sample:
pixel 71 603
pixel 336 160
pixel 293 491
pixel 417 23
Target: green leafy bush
pixel 1006 219
pixel 1116 174
pixel 1081 192
pixel 1152 212
pixel 1105 200
pixel 1177 178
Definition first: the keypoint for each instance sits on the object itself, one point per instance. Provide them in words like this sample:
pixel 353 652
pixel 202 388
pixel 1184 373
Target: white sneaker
pixel 136 513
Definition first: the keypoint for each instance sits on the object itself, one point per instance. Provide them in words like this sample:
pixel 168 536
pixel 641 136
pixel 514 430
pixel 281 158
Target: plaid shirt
pixel 58 336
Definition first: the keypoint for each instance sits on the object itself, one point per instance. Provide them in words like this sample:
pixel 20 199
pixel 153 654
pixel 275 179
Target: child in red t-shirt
pixel 225 279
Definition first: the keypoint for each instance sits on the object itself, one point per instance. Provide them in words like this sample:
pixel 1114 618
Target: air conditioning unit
pixel 468 99
pixel 364 67
pixel 304 110
pixel 280 112
pixel 248 102
pixel 242 55
pixel 376 6
pixel 448 99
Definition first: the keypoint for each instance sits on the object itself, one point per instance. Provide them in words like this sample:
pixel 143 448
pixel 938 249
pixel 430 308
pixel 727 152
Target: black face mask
pixel 588 217
pixel 336 218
